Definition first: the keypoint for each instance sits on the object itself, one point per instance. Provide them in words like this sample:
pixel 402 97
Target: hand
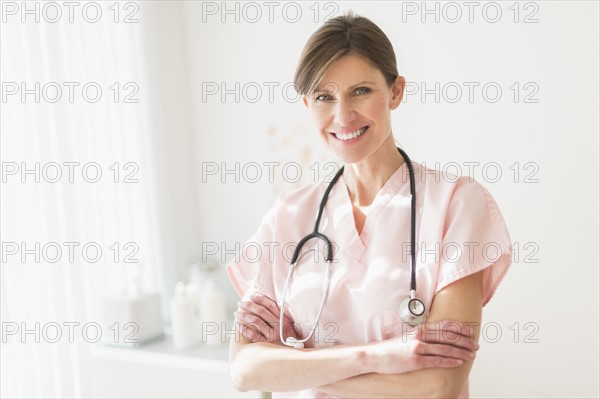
pixel 258 320
pixel 442 344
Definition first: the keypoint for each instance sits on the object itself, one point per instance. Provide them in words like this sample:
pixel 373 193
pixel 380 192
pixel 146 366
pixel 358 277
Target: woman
pixel 348 78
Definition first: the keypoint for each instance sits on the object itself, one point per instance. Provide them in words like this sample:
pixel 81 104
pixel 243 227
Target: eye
pixel 322 98
pixel 362 90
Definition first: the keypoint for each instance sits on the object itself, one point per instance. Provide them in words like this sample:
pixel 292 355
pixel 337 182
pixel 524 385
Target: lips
pixel 352 135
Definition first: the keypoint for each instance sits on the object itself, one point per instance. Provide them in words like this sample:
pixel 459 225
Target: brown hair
pixel 338 37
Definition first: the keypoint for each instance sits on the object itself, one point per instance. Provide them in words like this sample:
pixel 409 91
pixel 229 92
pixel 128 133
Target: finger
pixel 458 327
pixel 266 302
pixel 458 333
pixel 260 311
pixel 250 332
pixel 291 329
pixel 270 305
pixel 445 351
pixel 252 320
pixel 255 322
pixel 261 303
pixel 241 320
pixel 289 326
pixel 438 361
pixel 450 338
pixel 247 330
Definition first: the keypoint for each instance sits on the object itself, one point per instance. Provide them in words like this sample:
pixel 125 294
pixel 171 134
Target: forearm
pixel 382 369
pixel 459 301
pixel 425 383
pixel 274 368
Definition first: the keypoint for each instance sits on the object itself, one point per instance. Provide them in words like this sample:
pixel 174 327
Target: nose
pixel 344 113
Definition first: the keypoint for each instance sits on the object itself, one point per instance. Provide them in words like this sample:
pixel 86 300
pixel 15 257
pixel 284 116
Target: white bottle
pixel 193 292
pixel 184 331
pixel 214 314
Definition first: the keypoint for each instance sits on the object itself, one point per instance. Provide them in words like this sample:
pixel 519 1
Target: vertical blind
pixel 78 198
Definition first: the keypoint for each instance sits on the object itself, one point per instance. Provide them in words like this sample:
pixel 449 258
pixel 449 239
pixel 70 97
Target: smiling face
pixel 351 108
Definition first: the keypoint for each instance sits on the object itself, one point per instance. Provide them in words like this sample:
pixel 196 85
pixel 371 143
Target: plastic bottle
pixel 194 293
pixel 214 313
pixel 184 327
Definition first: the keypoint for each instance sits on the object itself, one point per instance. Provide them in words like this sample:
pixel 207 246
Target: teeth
pixel 349 136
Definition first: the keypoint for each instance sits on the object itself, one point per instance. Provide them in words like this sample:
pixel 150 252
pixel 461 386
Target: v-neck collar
pixel 358 242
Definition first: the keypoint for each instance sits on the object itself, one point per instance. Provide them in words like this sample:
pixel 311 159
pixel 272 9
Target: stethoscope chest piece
pixel 412 311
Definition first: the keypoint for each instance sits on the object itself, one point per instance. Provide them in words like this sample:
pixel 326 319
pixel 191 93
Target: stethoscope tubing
pixel 412 317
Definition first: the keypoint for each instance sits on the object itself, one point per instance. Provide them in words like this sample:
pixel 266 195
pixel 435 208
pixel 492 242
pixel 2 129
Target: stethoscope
pixel 412 310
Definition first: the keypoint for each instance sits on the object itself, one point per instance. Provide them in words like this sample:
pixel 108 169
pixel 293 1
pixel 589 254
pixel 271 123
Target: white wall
pixel 173 137
pixel 558 135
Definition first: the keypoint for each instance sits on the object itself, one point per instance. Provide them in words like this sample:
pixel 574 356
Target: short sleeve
pixel 251 269
pixel 475 238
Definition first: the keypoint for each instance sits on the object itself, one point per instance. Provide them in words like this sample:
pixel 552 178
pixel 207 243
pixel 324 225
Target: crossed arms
pixel 428 364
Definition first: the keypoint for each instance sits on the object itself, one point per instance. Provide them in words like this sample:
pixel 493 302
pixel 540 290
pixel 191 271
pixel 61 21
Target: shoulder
pixel 468 209
pixel 458 200
pixel 457 190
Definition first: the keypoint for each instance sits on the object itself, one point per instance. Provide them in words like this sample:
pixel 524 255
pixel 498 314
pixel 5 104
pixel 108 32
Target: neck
pixel 364 179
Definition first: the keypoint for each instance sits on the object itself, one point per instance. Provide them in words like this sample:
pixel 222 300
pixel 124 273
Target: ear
pixel 305 101
pixel 397 92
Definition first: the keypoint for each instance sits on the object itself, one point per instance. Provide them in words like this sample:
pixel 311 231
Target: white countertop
pixel 161 352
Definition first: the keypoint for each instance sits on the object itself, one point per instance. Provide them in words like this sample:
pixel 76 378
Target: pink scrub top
pixel 459 231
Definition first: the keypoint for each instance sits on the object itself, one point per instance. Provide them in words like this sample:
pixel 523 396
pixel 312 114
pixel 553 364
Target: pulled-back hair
pixel 348 34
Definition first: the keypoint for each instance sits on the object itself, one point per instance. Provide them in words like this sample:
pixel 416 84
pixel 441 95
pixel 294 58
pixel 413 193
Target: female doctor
pixel 358 339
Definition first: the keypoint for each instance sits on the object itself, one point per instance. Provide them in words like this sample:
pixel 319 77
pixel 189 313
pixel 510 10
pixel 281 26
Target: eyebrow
pixel 322 90
pixel 362 83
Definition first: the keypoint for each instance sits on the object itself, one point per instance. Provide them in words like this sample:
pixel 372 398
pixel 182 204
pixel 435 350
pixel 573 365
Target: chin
pixel 349 156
